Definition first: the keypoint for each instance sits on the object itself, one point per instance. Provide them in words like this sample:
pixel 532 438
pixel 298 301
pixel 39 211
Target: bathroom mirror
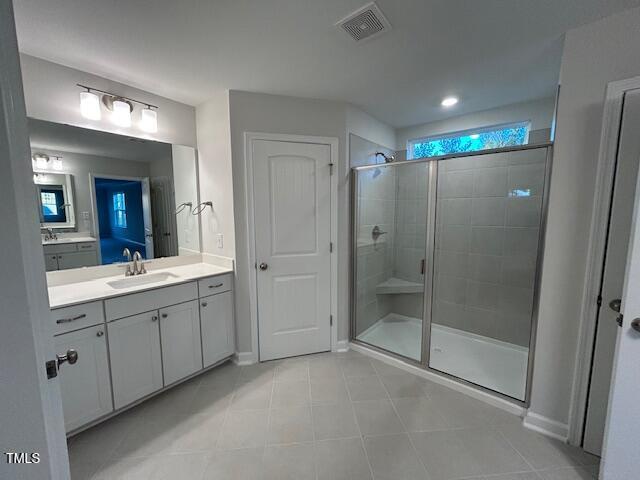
pixel 55 199
pixel 99 193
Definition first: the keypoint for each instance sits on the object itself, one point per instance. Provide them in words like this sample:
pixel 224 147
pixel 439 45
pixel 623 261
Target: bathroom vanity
pixel 136 336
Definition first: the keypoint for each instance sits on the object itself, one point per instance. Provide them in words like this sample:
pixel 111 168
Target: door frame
pixel 332 142
pixel 611 123
pixel 146 186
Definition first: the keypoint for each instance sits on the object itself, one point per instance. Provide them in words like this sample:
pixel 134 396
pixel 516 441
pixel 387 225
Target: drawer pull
pixel 217 285
pixel 71 319
pixel 204 304
pixel 100 333
pixel 154 318
pixel 165 315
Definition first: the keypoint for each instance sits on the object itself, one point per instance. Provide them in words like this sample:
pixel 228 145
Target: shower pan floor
pixel 496 365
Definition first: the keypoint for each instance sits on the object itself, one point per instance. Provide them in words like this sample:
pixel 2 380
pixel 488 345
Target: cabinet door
pixel 136 364
pixel 85 386
pixel 216 317
pixel 77 260
pixel 181 344
pixel 50 262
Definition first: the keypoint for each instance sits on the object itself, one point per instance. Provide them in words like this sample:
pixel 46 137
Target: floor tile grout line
pixel 406 431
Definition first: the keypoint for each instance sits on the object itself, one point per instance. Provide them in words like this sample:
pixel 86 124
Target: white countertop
pixel 68 240
pixel 99 289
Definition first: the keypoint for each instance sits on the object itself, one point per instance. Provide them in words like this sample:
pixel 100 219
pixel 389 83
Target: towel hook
pixel 182 206
pixel 201 207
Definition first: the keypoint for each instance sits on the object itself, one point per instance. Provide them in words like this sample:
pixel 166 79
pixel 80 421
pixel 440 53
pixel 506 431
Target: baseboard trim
pixel 244 358
pixel 341 346
pixel 546 426
pixel 492 400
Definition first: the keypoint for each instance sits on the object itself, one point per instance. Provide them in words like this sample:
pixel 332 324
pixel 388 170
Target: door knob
pixel 263 266
pixel 615 305
pixel 635 324
pixel 71 356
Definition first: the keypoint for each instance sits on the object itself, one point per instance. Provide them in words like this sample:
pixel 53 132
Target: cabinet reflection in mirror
pixel 99 193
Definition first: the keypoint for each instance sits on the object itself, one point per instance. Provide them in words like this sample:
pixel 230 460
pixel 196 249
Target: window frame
pixel 467 132
pixel 122 211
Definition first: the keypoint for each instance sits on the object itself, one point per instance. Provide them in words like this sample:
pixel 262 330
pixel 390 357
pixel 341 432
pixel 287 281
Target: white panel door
pixel 136 363
pixel 216 322
pixel 292 209
pixel 85 385
pixel 181 347
pixel 613 273
pixel 620 458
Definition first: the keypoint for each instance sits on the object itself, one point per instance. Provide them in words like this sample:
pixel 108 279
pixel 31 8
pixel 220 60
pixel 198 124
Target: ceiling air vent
pixel 365 23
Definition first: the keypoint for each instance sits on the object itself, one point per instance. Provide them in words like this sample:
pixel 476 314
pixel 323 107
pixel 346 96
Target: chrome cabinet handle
pixel 71 356
pixel 263 266
pixel 154 318
pixel 204 304
pixel 218 285
pixel 71 319
pixel 100 333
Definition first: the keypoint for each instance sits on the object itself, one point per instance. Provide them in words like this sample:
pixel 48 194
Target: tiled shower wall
pixel 487 225
pixel 376 206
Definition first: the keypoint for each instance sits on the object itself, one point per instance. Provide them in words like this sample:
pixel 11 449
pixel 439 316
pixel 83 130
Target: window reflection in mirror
pixel 109 192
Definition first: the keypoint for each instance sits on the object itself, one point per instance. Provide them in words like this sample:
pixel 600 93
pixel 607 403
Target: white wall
pixel 51 94
pixel 539 112
pixel 216 184
pixel 184 176
pixel 370 128
pixel 594 55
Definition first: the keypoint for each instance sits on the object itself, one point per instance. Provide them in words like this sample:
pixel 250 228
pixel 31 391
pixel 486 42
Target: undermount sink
pixel 142 279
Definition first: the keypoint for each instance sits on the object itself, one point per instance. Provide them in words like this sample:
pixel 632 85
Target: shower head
pixel 387 158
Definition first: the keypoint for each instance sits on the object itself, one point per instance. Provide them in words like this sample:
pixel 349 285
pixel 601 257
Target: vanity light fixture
pixel 149 120
pixel 40 161
pixel 449 101
pixel 90 105
pixel 121 108
pixel 121 112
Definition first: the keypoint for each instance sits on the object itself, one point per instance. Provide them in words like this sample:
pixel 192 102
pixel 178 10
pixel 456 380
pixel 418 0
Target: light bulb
pixel 449 101
pixel 56 163
pixel 42 161
pixel 121 113
pixel 90 106
pixel 149 120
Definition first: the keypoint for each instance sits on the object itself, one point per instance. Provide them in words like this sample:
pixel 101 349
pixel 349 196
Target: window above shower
pixel 473 140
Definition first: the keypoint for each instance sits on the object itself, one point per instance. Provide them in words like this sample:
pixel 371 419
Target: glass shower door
pixel 488 221
pixel 390 224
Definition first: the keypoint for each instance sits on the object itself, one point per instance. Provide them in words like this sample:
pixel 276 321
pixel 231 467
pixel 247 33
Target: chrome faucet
pixel 50 235
pixel 138 266
pixel 127 254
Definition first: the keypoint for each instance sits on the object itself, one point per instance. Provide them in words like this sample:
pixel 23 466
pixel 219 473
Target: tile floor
pixel 320 417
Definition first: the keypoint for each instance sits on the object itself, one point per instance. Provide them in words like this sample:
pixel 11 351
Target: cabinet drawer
pixel 60 248
pixel 72 318
pixel 85 246
pixel 135 303
pixel 217 284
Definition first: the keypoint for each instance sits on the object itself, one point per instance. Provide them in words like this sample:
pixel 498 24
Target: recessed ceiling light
pixel 449 101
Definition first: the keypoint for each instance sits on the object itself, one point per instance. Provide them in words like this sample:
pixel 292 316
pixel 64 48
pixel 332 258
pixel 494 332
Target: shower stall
pixel 445 265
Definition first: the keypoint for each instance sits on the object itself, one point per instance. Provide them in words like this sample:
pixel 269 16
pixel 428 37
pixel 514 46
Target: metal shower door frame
pixel 432 186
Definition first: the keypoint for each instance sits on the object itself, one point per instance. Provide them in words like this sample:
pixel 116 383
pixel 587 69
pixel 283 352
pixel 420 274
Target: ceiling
pixel 490 53
pixel 61 138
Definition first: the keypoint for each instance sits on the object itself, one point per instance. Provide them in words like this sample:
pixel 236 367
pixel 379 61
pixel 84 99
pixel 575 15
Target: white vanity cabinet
pixel 85 386
pixel 134 345
pixel 136 363
pixel 64 256
pixel 181 341
pixel 216 320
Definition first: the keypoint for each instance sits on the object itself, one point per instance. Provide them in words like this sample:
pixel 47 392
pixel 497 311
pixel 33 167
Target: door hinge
pixel 52 368
pixel 330 247
pixel 599 300
pixel 331 320
pixel 331 169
